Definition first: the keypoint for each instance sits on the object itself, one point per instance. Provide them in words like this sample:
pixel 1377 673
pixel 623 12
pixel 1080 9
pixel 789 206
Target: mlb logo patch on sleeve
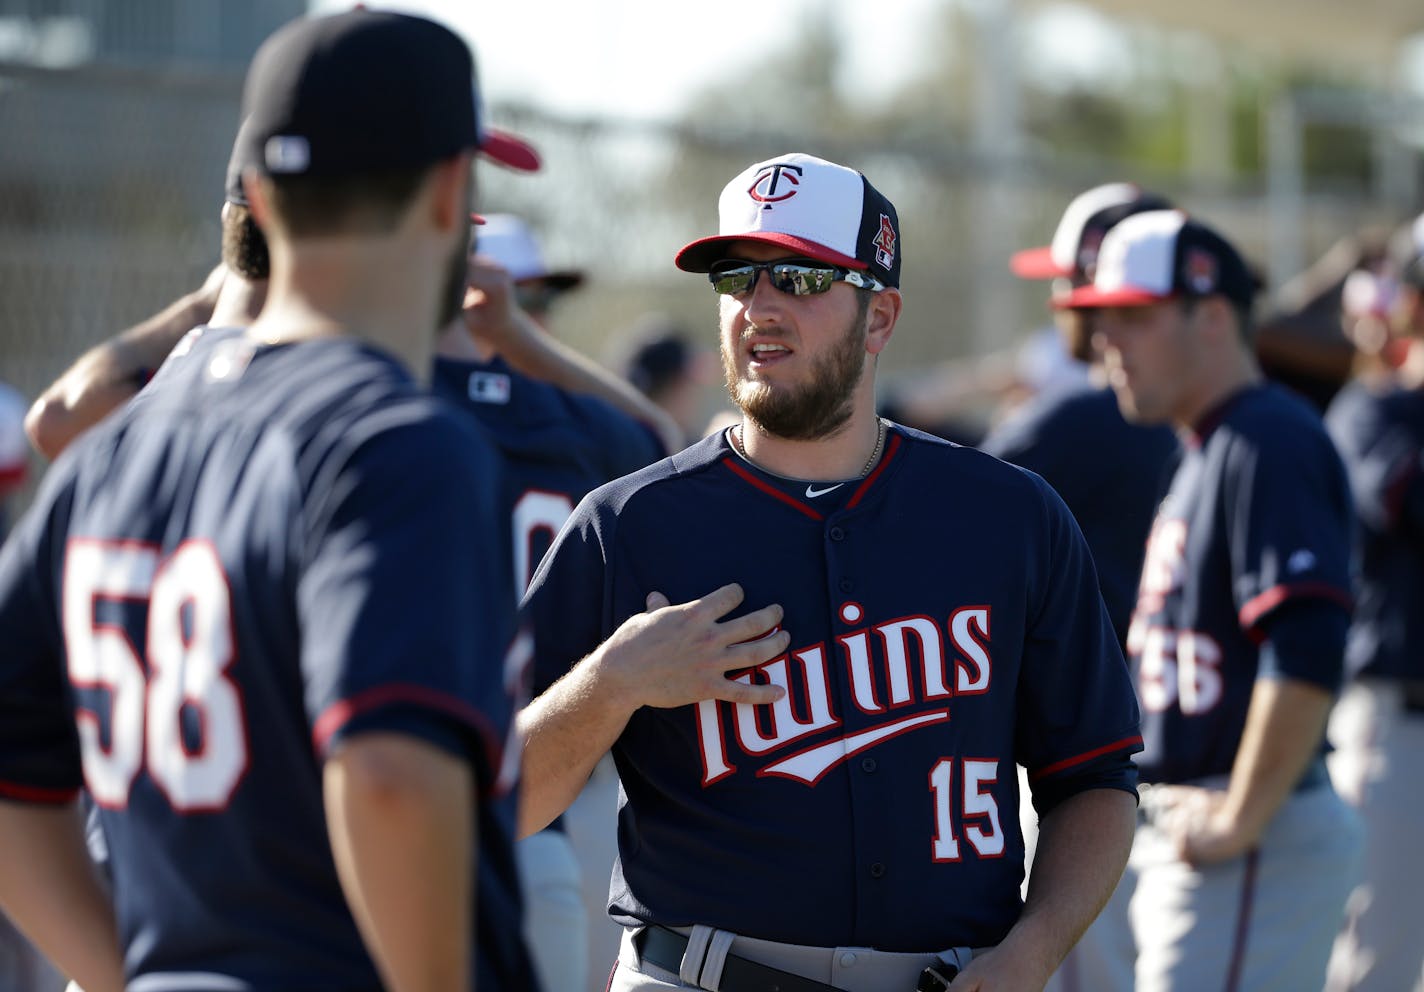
pixel 489 387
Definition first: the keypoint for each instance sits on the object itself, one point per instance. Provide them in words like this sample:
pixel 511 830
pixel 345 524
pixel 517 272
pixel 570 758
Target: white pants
pixel 592 825
pixel 554 917
pixel 1376 767
pixel 1262 922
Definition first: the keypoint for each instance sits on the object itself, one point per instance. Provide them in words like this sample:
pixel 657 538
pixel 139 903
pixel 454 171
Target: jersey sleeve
pixel 567 600
pixel 1288 524
pixel 1078 721
pixel 39 747
pixel 405 611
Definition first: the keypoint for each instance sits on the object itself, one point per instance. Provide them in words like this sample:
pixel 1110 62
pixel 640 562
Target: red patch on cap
pixel 885 243
pixel 1199 271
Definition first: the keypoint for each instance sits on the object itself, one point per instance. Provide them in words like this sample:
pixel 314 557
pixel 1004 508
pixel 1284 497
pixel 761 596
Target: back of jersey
pixel 555 446
pixel 273 548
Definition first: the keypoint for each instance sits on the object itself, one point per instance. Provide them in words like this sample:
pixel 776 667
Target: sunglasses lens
pixel 733 281
pixel 802 280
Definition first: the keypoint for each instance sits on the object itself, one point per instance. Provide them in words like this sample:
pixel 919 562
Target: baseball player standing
pixel 1245 854
pixel 271 661
pixel 556 447
pixel 871 626
pixel 1111 474
pixel 1378 726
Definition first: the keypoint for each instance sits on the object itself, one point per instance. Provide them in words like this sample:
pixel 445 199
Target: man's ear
pixel 881 317
pixel 451 194
pixel 257 202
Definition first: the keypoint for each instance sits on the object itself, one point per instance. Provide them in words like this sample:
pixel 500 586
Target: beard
pixel 816 409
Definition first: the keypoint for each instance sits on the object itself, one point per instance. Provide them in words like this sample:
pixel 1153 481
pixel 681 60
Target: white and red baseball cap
pixel 1074 251
pixel 815 208
pixel 1162 255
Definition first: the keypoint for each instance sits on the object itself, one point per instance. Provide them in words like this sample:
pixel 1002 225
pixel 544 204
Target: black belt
pixel 665 948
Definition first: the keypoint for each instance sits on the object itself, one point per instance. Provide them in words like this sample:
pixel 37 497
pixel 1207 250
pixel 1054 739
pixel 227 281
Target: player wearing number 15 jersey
pixel 835 769
pixel 265 595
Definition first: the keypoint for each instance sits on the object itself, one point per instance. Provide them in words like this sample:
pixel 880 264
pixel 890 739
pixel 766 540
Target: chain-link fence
pixel 111 184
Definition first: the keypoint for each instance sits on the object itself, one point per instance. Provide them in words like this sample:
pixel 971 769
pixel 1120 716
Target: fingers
pixel 742 692
pixel 656 601
pixel 754 625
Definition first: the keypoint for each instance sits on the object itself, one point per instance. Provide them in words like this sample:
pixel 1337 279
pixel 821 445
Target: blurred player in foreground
pixel 321 647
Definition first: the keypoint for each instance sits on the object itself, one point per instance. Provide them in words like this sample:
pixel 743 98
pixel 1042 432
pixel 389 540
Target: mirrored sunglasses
pixel 796 276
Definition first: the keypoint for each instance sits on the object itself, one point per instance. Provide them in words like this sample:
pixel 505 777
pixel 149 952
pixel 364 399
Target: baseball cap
pixel 366 91
pixel 813 207
pixel 510 242
pixel 1161 255
pixel 1074 251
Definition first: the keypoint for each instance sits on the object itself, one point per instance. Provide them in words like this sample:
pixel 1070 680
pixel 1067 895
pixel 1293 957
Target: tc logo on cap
pixel 767 186
pixel 885 243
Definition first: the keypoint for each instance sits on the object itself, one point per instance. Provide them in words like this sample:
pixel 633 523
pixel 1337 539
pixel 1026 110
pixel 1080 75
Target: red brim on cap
pixel 1036 263
pixel 700 255
pixel 1092 298
pixel 507 149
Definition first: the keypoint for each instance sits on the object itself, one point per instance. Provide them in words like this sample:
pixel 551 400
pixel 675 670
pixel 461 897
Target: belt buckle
pixel 936 978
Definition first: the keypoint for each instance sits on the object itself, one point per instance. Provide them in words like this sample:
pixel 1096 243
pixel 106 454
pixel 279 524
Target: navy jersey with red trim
pixel 1258 516
pixel 272 549
pixel 945 624
pixel 557 447
pixel 1112 475
pixel 1379 432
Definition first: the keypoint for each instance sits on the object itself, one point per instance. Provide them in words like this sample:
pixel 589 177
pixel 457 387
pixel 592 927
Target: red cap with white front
pixel 809 206
pixel 1060 258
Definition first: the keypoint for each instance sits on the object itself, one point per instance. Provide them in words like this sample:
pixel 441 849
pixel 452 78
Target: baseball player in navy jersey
pixel 1245 853
pixel 556 446
pixel 1377 423
pixel 289 679
pixel 1111 474
pixel 1113 498
pixel 818 643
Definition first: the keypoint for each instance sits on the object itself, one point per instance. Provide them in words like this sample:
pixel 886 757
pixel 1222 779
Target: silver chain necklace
pixel 736 434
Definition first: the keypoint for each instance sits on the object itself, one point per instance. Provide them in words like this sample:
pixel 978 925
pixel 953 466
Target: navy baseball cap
pixel 1162 255
pixel 366 91
pixel 1087 220
pixel 815 208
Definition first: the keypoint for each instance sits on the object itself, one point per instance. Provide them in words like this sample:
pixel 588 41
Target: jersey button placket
pixel 877 870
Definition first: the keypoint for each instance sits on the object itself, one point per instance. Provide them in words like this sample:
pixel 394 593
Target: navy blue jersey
pixel 945 623
pixel 1380 434
pixel 1111 474
pixel 1257 518
pixel 270 549
pixel 557 447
